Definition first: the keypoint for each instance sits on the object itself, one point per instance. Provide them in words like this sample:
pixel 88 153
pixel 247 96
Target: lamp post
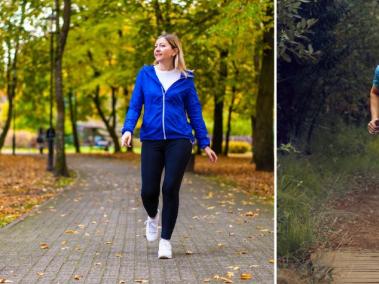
pixel 50 133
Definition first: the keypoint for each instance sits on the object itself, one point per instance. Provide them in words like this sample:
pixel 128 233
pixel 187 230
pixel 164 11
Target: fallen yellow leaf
pixel 246 276
pixel 71 232
pixel 226 280
pixel 40 273
pixel 251 214
pixel 43 246
pixel 77 277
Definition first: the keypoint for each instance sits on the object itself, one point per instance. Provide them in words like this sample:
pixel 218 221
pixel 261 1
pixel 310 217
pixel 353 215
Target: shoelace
pixel 152 225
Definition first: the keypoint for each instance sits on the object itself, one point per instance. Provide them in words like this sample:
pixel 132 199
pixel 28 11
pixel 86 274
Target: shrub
pixel 239 147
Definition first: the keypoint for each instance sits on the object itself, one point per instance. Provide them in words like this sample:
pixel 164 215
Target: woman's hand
pixel 211 154
pixel 372 126
pixel 126 139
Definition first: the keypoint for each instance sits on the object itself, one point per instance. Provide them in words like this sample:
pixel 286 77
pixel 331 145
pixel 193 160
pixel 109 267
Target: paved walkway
pixel 93 232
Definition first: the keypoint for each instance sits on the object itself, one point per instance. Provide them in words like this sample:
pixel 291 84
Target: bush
pixel 239 147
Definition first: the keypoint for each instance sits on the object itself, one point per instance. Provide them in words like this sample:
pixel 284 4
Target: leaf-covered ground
pixel 239 171
pixel 24 183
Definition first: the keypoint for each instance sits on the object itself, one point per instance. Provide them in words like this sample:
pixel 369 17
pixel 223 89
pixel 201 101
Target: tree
pixel 326 85
pixel 264 137
pixel 60 168
pixel 12 38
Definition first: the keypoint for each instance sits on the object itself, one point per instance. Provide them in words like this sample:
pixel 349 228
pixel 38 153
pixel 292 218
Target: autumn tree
pixel 11 37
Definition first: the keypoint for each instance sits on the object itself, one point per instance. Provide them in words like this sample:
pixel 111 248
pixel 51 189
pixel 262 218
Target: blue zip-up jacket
pixel 165 112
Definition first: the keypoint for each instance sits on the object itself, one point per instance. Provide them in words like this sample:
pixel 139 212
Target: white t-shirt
pixel 167 78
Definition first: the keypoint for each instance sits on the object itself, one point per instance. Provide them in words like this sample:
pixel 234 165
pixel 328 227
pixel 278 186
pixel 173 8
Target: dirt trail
pixel 355 240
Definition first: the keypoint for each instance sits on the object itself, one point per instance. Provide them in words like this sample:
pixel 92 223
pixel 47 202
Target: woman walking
pixel 167 92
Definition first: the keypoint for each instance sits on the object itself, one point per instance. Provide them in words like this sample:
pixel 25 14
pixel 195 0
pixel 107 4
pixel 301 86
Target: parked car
pixel 101 142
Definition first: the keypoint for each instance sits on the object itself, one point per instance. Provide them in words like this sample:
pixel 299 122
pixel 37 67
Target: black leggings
pixel 172 155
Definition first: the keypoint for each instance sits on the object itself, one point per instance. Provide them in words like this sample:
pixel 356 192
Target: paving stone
pixel 106 244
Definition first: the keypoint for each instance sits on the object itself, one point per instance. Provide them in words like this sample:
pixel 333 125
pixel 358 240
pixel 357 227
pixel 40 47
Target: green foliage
pixel 110 40
pixel 293 31
pixel 335 86
pixel 238 147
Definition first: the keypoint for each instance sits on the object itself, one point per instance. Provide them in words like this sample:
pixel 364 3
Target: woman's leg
pixel 152 161
pixel 177 154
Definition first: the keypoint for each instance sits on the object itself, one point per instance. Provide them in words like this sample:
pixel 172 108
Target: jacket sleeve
pixel 135 106
pixel 193 108
pixel 375 82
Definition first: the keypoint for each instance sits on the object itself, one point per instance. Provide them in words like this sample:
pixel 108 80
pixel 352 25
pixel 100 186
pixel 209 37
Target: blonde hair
pixel 174 42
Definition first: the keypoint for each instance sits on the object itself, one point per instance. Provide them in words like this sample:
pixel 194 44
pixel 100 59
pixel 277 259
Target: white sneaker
pixel 165 249
pixel 152 227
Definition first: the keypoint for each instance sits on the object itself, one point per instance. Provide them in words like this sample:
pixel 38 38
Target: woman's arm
pixel 374 104
pixel 374 107
pixel 193 108
pixel 135 106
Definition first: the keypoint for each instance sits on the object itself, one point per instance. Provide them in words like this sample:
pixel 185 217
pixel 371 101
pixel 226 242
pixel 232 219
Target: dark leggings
pixel 172 155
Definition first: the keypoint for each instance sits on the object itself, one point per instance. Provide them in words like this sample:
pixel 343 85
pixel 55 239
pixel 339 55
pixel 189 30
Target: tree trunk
pixel 10 96
pixel 253 128
pixel 264 138
pixel 60 168
pixel 308 148
pixel 219 105
pixel 113 106
pixel 126 93
pixel 111 130
pixel 73 119
pixel 163 22
pixel 257 67
pixel 7 124
pixel 228 130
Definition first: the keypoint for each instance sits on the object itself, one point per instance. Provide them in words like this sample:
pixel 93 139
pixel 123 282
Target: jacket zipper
pixel 163 99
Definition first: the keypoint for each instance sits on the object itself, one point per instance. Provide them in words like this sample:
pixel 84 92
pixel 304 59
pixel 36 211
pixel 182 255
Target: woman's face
pixel 163 52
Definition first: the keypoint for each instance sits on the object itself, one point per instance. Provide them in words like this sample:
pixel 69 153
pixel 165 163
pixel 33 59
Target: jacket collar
pixel 151 72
